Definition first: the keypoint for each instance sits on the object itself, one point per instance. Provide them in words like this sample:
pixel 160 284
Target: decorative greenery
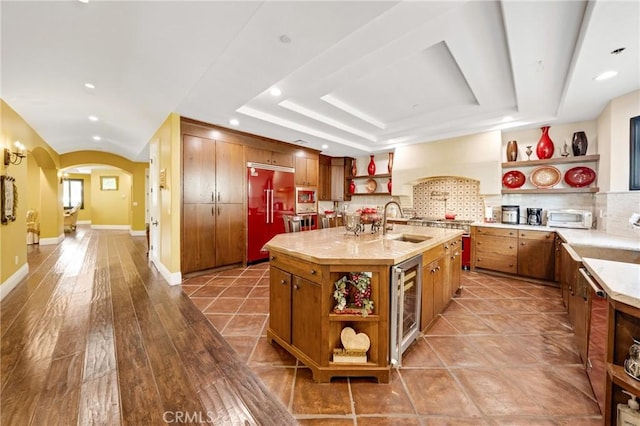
pixel 353 292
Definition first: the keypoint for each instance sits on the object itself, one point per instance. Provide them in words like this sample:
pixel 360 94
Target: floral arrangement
pixel 352 294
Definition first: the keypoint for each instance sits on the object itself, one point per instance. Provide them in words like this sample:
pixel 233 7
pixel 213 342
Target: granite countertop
pixel 335 246
pixel 620 280
pixel 578 237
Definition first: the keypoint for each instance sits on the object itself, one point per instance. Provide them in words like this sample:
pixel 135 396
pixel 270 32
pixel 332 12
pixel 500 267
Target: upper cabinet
pixel 266 156
pixel 307 170
pixel 324 178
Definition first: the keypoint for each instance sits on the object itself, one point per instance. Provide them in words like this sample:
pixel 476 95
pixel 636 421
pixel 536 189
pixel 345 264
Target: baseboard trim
pixel 52 240
pixel 119 227
pixel 137 233
pixel 13 281
pixel 172 278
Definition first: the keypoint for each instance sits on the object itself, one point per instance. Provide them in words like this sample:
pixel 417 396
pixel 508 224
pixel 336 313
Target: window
pixel 73 193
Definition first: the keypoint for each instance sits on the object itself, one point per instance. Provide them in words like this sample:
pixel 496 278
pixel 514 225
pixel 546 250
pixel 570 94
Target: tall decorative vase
pixel 352 187
pixel 372 167
pixel 544 149
pixel 390 164
pixel 389 186
pixel 579 143
pixel 354 168
pixel 512 151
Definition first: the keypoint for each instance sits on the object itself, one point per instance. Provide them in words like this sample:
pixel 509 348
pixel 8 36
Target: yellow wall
pixel 110 207
pixel 39 155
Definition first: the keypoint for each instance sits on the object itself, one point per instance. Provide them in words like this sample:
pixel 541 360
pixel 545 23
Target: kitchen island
pixel 304 270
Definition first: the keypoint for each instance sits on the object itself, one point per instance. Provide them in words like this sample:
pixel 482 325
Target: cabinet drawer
pixel 498 246
pixel 537 235
pixel 308 271
pixel 498 232
pixel 432 254
pixel 507 264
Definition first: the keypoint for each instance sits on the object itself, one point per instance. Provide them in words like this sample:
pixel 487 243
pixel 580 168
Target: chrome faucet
pixel 384 216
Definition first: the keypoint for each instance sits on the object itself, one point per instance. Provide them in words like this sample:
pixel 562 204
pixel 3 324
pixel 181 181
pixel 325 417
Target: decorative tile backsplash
pixel 435 197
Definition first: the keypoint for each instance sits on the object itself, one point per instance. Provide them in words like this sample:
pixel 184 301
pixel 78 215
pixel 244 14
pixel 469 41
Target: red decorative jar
pixel 372 167
pixel 352 187
pixel 389 186
pixel 545 148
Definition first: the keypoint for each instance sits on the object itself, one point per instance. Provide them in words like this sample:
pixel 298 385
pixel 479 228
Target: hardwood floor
pixel 94 336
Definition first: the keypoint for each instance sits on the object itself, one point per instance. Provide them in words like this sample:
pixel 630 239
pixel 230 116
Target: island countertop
pixel 335 245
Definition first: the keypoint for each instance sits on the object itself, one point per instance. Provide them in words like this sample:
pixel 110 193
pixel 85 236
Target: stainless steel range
pixel 464 225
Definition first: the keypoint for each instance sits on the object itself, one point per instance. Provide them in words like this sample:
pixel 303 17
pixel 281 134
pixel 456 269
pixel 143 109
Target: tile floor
pixel 501 354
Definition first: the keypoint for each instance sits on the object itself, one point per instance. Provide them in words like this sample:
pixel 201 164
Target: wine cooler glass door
pixel 406 290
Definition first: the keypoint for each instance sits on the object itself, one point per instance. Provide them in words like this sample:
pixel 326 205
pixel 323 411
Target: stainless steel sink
pixel 409 238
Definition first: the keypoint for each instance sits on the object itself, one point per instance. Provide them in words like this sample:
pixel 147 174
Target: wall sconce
pixel 14 157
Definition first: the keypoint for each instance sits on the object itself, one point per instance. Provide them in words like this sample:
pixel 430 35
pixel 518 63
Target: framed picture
pixel 7 200
pixel 108 183
pixel 634 154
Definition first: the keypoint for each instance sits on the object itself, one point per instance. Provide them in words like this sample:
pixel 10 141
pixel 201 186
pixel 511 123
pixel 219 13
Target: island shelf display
pixel 330 296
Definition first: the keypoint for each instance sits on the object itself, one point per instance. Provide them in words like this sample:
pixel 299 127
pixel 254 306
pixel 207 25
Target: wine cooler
pixel 406 293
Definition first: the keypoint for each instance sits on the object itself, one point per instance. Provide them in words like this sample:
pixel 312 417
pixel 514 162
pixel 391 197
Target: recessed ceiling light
pixel 97 138
pixel 234 122
pixel 275 91
pixel 606 75
pixel 285 39
pixel 93 118
pixel 325 146
pixel 89 86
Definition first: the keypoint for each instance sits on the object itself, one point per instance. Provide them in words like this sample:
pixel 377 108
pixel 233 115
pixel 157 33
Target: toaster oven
pixel 569 218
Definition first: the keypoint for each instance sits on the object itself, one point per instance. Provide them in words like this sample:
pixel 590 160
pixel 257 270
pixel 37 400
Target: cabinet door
pixel 324 182
pixel 440 290
pixel 282 159
pixel 198 169
pixel 229 172
pixel 198 245
pixel 426 312
pixel 536 255
pixel 580 314
pixel 306 317
pixel 455 267
pixel 280 303
pixel 229 234
pixel 301 171
pixel 337 182
pixel 257 155
pixel 312 171
pixel 567 274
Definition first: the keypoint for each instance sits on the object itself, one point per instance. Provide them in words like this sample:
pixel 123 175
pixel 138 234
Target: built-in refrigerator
pixel 271 194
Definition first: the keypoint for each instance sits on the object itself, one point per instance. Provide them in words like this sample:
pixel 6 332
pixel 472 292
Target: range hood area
pixel 475 156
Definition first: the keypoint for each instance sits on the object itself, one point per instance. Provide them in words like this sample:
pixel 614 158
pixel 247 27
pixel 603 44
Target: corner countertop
pixel 578 237
pixel 620 280
pixel 335 246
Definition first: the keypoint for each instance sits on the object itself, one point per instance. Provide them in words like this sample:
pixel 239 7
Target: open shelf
pixel 558 160
pixel 618 376
pixel 551 190
pixel 368 194
pixel 385 175
pixel 353 317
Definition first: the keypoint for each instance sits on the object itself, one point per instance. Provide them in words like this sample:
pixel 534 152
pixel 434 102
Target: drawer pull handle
pixel 437 268
pixel 548 236
pixel 511 247
pixel 523 243
pixel 296 287
pixel 272 258
pixel 313 272
pixel 283 282
pixel 510 233
pixel 511 265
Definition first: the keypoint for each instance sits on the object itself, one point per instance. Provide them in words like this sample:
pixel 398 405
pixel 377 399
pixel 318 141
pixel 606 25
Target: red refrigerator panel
pixel 270 195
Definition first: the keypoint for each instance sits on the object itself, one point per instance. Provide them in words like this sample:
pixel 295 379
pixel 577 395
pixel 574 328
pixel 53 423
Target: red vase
pixel 352 187
pixel 389 186
pixel 544 149
pixel 372 167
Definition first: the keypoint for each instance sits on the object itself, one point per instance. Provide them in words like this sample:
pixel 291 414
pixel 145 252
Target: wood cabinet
pixel 525 253
pixel 265 156
pixel 495 249
pixel 324 178
pixel 536 254
pixel 575 295
pixel 436 283
pixel 213 197
pixel 306 317
pixel 306 170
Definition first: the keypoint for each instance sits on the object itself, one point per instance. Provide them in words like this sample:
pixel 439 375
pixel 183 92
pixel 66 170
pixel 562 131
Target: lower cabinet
pixel 525 253
pixel 306 316
pixel 441 267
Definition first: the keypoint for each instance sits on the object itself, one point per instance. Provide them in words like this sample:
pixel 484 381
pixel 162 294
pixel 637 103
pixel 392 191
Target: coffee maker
pixel 534 216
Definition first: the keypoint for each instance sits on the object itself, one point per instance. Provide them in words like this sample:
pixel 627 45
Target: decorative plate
pixel 545 177
pixel 579 176
pixel 371 186
pixel 513 179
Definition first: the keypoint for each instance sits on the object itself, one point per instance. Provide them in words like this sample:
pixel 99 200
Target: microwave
pixel 569 218
pixel 306 200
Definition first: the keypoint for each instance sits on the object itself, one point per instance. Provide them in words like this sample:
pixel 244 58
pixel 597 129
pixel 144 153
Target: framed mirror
pixel 634 154
pixel 108 183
